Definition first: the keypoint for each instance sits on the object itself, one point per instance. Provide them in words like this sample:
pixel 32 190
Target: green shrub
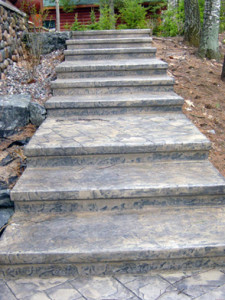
pixel 106 21
pixel 222 17
pixel 67 5
pixel 77 25
pixel 94 25
pixel 132 14
pixel 172 22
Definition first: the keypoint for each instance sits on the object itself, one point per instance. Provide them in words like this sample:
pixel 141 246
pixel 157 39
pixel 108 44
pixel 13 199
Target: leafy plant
pixel 107 20
pixel 67 26
pixel 32 41
pixel 77 26
pixel 67 5
pixel 222 16
pixel 132 14
pixel 172 23
pixel 94 25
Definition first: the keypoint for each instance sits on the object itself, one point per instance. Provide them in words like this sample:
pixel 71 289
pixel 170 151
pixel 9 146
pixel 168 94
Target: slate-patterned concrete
pixel 118 185
pixel 187 285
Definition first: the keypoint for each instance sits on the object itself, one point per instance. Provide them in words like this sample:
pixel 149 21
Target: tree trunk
pixel 57 15
pixel 112 12
pixel 223 70
pixel 209 43
pixel 111 7
pixel 192 26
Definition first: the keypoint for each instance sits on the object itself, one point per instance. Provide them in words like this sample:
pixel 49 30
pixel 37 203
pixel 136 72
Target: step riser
pixel 108 268
pixel 110 90
pixel 100 205
pixel 108 56
pixel 153 101
pixel 62 112
pixel 107 160
pixel 110 73
pixel 108 45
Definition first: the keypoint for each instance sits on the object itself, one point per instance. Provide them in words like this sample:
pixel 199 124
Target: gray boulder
pixel 46 42
pixel 37 113
pixel 14 113
pixel 5 214
pixel 5 199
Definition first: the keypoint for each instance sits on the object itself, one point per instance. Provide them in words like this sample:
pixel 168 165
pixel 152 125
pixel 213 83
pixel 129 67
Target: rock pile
pixel 12 27
pixel 21 78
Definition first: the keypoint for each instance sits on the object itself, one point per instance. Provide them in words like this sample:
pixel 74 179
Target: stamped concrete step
pixel 110 68
pixel 105 54
pixel 164 132
pixel 112 85
pixel 119 186
pixel 113 104
pixel 46 245
pixel 109 43
pixel 111 34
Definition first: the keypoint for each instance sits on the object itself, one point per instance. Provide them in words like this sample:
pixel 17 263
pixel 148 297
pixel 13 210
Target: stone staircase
pixel 118 179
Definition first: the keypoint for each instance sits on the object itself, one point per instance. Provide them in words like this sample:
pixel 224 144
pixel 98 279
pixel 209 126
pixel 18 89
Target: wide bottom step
pixel 112 242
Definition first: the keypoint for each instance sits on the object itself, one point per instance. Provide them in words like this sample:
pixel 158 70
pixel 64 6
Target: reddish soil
pixel 198 82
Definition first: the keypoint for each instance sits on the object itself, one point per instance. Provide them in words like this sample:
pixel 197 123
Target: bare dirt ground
pixel 197 81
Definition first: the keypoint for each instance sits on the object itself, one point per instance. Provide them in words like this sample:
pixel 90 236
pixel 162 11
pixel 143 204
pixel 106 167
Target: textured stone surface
pixel 141 287
pixel 112 104
pixel 139 133
pixel 123 204
pixel 109 43
pixel 135 242
pixel 112 181
pixel 13 24
pixel 102 101
pixel 98 34
pixel 88 69
pixel 112 85
pixel 123 188
pixel 14 112
pixel 105 54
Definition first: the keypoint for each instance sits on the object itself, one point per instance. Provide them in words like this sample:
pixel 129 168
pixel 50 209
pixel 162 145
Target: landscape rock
pixel 47 41
pixel 5 199
pixel 14 111
pixel 13 23
pixel 37 113
pixel 5 214
pixel 7 160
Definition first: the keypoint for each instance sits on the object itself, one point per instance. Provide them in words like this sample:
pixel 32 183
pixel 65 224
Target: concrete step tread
pixel 111 41
pixel 111 32
pixel 154 234
pixel 139 99
pixel 112 81
pixel 129 133
pixel 122 64
pixel 119 181
pixel 110 51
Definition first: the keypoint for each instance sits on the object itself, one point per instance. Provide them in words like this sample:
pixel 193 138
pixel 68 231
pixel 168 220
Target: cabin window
pixel 50 24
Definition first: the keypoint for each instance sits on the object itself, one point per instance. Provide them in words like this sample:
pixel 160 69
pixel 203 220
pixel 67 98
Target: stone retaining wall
pixel 13 24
